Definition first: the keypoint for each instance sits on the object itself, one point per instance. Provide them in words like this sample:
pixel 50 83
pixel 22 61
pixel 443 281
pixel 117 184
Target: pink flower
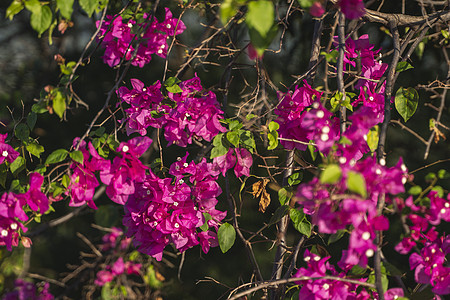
pixel 316 10
pixel 352 9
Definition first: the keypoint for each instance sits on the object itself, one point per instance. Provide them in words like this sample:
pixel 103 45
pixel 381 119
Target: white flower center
pixel 4 232
pixel 160 51
pixel 404 180
pixel 324 137
pixel 442 211
pixel 316 258
pixel 181 181
pixel 382 162
pixel 371 98
pixel 130 25
pixel 342 160
pixel 5 153
pixel 370 253
pixel 175 203
pixel 404 169
pixel 326 129
pixel 315 105
pixel 185 165
pixel 326 286
pixel 307 258
pixel 366 236
pixel 155 223
pixel 433 251
pixel 447 205
pixel 13 226
pixel 177 167
pixel 176 225
pixel 148 192
pixel 178 158
pixel 291 103
pixel 365 137
pixel 144 89
pixel 168 26
pixel 125 148
pixel 320 114
pixel 378 171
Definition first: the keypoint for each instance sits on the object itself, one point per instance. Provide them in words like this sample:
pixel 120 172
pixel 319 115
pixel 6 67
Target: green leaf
pixel 228 9
pixel 246 139
pixel 273 135
pixel 65 8
pixel 336 236
pixel 331 174
pixel 65 181
pixel 13 9
pixel 406 101
pixel 384 279
pixel 306 3
pixel 439 190
pixel 59 103
pixel 89 6
pixel 279 213
pixel 415 190
pixel 35 149
pixel 77 156
pixel 260 16
pixel 41 19
pixel 151 279
pixel 373 137
pixel 312 151
pixel 172 81
pixel 233 138
pixel 443 174
pixel 107 292
pixel 17 165
pixel 56 156
pixel 219 149
pixel 357 270
pixel 205 225
pixel 356 183
pixel 284 196
pixel 403 66
pixel 261 43
pixel 305 227
pixel 22 132
pixel 174 89
pixel 34 6
pixel 296 216
pixel 226 236
pixel 295 179
pixel 31 119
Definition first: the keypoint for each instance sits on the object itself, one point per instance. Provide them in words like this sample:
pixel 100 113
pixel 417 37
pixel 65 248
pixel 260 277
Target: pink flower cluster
pixel 172 210
pixel 12 211
pixel 352 9
pixel 27 290
pixel 113 241
pixel 333 289
pixel 82 178
pixel 333 207
pixel 6 151
pixel 119 37
pixel 239 158
pixel 430 264
pixel 191 113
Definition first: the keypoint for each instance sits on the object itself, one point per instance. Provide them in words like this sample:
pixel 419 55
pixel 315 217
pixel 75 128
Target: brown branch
pixel 405 20
pixel 266 284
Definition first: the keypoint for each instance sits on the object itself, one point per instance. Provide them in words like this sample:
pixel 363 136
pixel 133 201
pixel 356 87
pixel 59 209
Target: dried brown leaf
pixel 265 201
